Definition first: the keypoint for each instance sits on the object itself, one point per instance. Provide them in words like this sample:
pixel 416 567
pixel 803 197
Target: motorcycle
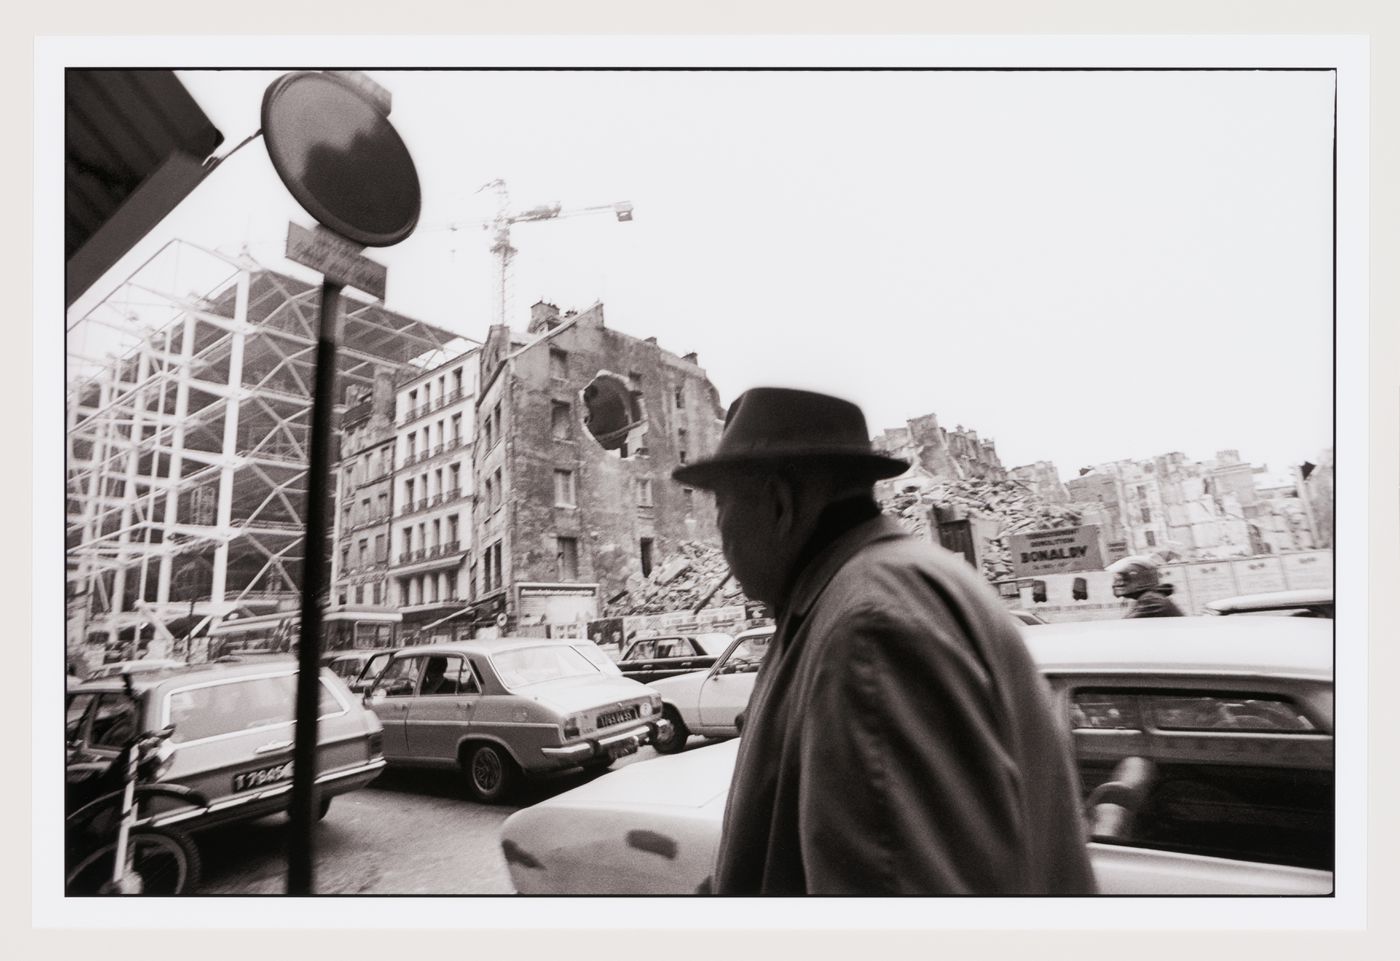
pixel 110 848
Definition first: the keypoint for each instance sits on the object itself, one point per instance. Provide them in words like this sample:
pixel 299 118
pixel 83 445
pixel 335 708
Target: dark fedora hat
pixel 776 425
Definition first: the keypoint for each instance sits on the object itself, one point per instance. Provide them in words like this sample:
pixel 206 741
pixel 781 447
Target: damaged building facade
pixel 578 428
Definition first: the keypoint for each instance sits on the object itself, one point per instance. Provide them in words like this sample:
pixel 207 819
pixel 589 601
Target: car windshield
pixel 535 665
pixel 238 705
pixel 746 657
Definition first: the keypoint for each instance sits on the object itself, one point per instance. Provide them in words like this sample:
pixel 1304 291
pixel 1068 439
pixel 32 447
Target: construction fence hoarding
pixel 1088 595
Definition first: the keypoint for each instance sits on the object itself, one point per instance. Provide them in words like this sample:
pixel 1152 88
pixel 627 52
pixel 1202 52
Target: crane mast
pixel 504 252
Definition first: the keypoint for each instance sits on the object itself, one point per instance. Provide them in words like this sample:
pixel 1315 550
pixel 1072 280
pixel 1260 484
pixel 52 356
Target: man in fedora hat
pixel 898 740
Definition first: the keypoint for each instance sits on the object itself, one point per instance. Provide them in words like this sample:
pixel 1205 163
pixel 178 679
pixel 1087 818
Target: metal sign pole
pixel 301 853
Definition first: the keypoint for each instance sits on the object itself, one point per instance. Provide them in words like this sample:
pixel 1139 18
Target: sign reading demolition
pixel 1057 551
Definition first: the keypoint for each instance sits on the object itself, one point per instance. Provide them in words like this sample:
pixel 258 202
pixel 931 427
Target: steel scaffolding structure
pixel 187 421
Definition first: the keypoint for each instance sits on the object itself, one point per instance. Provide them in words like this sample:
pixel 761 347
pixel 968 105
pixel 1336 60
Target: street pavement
pixel 409 833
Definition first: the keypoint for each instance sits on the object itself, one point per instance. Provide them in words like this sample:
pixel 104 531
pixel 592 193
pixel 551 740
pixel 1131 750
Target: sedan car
pixel 708 703
pixel 1204 747
pixel 652 658
pixel 499 709
pixel 233 731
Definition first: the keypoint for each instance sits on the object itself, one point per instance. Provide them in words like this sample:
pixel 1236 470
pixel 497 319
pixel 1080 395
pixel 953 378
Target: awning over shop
pixel 135 145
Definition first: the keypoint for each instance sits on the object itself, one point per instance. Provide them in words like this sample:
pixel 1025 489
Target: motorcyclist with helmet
pixel 1136 577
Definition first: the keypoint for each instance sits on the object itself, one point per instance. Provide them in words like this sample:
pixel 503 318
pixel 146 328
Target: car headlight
pixel 647 708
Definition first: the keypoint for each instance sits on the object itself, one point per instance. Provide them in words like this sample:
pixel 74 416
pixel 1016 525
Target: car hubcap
pixel 487 770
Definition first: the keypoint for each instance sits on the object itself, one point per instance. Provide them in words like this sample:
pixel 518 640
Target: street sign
pixel 337 258
pixel 333 146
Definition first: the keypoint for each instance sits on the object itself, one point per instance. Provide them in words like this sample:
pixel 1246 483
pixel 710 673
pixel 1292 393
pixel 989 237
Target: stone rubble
pixel 1015 508
pixel 682 582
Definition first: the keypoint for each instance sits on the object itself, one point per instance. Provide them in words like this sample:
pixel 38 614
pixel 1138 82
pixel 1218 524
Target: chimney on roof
pixel 543 317
pixel 693 357
pixel 650 340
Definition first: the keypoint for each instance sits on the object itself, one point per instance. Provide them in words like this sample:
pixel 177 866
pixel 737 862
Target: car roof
pixel 1272 600
pixel 1260 646
pixel 145 680
pixel 491 645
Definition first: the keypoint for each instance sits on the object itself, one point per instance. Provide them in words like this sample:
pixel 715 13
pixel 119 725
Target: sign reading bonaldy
pixel 329 138
pixel 1057 551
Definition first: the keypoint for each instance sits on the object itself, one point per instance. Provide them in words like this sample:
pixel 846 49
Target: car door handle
pixel 271 746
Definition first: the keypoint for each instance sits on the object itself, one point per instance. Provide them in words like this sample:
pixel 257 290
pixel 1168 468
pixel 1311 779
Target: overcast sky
pixel 1081 266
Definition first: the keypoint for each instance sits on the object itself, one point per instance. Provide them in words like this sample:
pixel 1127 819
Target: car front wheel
pixel 679 734
pixel 491 774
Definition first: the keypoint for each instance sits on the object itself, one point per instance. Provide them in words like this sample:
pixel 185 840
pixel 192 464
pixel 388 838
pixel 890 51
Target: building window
pixel 454 477
pixel 344 559
pixel 375 594
pixel 681 437
pixel 487 569
pixel 452 530
pixel 379 550
pixel 1151 539
pixel 564 493
pixel 496 420
pixel 646 556
pixel 568 558
pixel 688 495
pixel 490 494
pixel 1146 515
pixel 561 420
pixel 1142 492
pixel 644 492
pixel 558 364
pixel 364 551
pixel 456 428
pixel 680 399
pixel 457 381
pixel 500 489
pixel 493 568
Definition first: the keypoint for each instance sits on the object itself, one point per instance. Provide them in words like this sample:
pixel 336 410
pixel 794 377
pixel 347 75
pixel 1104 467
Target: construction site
pixel 189 392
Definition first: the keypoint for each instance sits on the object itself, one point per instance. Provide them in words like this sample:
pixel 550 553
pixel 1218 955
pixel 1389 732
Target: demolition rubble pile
pixel 679 585
pixel 1011 505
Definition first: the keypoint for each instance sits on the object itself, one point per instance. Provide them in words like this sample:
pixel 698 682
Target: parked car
pixel 133 667
pixel 708 703
pixel 233 735
pixel 652 658
pixel 1204 746
pixel 500 709
pixel 1308 603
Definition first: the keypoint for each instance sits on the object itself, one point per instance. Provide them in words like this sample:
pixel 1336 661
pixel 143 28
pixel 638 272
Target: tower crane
pixel 501 247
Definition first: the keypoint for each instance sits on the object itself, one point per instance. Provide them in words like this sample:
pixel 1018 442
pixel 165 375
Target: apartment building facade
pixel 430 540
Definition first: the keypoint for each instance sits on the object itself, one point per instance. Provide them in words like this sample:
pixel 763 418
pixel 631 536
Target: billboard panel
pixel 1057 551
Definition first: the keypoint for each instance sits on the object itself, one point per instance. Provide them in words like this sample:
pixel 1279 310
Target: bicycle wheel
pixel 164 862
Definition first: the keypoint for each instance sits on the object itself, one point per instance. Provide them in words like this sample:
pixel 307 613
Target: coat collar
pixel 824 566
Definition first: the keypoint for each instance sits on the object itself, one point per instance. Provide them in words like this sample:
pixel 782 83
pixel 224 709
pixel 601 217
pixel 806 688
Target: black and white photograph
pixel 573 473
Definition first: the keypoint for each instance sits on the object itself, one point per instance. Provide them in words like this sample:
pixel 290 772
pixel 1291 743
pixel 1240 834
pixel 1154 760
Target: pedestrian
pixel 899 739
pixel 1136 577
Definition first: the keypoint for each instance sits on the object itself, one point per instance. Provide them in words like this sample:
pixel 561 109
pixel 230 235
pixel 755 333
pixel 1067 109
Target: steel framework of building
pixel 186 439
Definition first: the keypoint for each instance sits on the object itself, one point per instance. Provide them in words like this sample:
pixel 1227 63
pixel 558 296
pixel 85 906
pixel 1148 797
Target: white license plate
pixel 263 776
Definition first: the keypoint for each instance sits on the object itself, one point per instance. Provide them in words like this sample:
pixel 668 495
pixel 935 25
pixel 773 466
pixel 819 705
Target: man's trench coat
pixel 899 740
